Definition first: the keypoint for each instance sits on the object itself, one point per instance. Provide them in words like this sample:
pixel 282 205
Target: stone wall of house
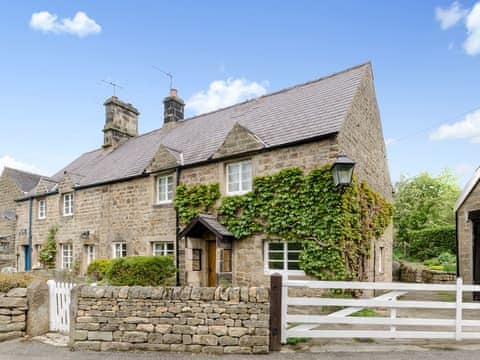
pixel 465 234
pixel 362 140
pixel 8 193
pixel 208 320
pixel 13 313
pixel 119 212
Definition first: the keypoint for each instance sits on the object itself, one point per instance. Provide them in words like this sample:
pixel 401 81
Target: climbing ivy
pixel 193 200
pixel 335 227
pixel 49 252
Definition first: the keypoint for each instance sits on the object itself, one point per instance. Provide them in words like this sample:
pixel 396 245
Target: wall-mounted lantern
pixel 342 171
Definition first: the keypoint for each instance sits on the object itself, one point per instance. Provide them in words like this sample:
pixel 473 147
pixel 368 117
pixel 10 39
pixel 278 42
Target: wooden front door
pixel 212 263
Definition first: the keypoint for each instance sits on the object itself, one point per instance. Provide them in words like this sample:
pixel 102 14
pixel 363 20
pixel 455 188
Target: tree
pixel 49 252
pixel 424 202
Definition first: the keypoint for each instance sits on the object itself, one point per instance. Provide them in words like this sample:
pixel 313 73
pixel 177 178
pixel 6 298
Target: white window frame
pixel 240 190
pixel 66 253
pixel 163 251
pixel 42 209
pixel 269 271
pixel 90 253
pixel 168 198
pixel 123 249
pixel 68 209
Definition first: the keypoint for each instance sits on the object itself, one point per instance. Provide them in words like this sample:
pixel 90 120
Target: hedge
pixel 97 269
pixel 142 271
pixel 429 243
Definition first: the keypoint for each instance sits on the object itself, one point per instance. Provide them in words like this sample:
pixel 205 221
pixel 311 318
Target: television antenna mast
pixel 169 74
pixel 113 85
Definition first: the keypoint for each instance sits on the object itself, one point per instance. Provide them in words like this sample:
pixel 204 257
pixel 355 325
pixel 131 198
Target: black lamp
pixel 342 171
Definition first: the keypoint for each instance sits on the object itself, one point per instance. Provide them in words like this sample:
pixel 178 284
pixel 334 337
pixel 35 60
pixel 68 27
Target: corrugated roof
pixel 295 114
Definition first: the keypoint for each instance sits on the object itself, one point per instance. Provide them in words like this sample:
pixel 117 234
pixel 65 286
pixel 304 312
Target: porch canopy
pixel 206 223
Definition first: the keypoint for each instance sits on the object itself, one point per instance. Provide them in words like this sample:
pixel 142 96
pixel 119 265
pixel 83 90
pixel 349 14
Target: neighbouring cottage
pixel 14 184
pixel 467 212
pixel 118 200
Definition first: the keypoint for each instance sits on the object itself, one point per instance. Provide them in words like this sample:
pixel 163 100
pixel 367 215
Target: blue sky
pixel 51 93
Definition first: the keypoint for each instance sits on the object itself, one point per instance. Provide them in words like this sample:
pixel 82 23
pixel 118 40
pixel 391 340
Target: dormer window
pixel 42 209
pixel 68 204
pixel 164 189
pixel 239 177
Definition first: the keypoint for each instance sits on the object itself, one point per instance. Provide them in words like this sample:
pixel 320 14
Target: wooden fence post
pixel 275 312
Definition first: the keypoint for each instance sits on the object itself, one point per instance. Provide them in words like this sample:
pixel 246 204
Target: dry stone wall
pixel 208 320
pixel 13 313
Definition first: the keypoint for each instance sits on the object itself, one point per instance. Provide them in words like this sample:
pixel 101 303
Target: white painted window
pixel 42 209
pixel 67 255
pixel 90 253
pixel 68 204
pixel 239 177
pixel 162 248
pixel 164 189
pixel 119 249
pixel 381 260
pixel 282 256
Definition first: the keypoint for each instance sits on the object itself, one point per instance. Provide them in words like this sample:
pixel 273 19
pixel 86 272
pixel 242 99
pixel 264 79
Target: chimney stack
pixel 173 108
pixel 121 122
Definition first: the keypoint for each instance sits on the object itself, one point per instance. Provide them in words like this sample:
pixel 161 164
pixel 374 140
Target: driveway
pixel 28 350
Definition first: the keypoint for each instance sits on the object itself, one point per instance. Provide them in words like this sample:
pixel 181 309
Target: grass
pixel 297 340
pixel 367 312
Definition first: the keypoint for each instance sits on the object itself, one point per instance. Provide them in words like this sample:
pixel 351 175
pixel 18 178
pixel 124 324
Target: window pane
pixel 196 259
pixel 292 265
pixel 227 260
pixel 275 256
pixel 170 248
pixel 293 255
pixel 294 246
pixel 275 246
pixel 275 265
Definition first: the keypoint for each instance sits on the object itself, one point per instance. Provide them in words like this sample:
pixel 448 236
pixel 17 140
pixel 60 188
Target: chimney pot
pixel 174 92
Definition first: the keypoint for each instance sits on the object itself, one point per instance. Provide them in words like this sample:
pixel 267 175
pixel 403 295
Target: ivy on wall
pixel 335 227
pixel 49 252
pixel 193 200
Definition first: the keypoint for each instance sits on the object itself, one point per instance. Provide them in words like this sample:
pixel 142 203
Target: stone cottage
pixel 467 213
pixel 117 200
pixel 13 184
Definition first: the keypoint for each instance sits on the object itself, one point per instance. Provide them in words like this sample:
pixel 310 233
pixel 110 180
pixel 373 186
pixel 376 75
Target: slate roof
pixel 305 111
pixel 207 221
pixel 467 189
pixel 25 181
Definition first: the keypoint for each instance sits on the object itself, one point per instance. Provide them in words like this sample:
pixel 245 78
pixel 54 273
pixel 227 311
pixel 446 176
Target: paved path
pixel 29 350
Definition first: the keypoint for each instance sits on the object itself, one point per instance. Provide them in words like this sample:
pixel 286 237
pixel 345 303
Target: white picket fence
pixel 305 325
pixel 59 300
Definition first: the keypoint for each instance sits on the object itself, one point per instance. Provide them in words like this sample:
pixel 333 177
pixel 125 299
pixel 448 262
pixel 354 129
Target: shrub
pixel 97 269
pixel 142 271
pixel 432 242
pixel 13 280
pixel 446 258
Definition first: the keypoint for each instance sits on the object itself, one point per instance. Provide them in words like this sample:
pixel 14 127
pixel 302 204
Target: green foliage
pixel 98 268
pixel 431 242
pixel 193 200
pixel 48 253
pixel 423 202
pixel 444 262
pixel 367 312
pixel 297 340
pixel 334 227
pixel 142 271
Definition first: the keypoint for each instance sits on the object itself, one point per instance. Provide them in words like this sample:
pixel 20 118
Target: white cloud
pixel 472 43
pixel 81 25
pixel 468 128
pixel 450 16
pixel 222 93
pixel 9 161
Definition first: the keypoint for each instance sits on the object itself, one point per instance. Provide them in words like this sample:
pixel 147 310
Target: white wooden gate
pixel 59 299
pixel 301 325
